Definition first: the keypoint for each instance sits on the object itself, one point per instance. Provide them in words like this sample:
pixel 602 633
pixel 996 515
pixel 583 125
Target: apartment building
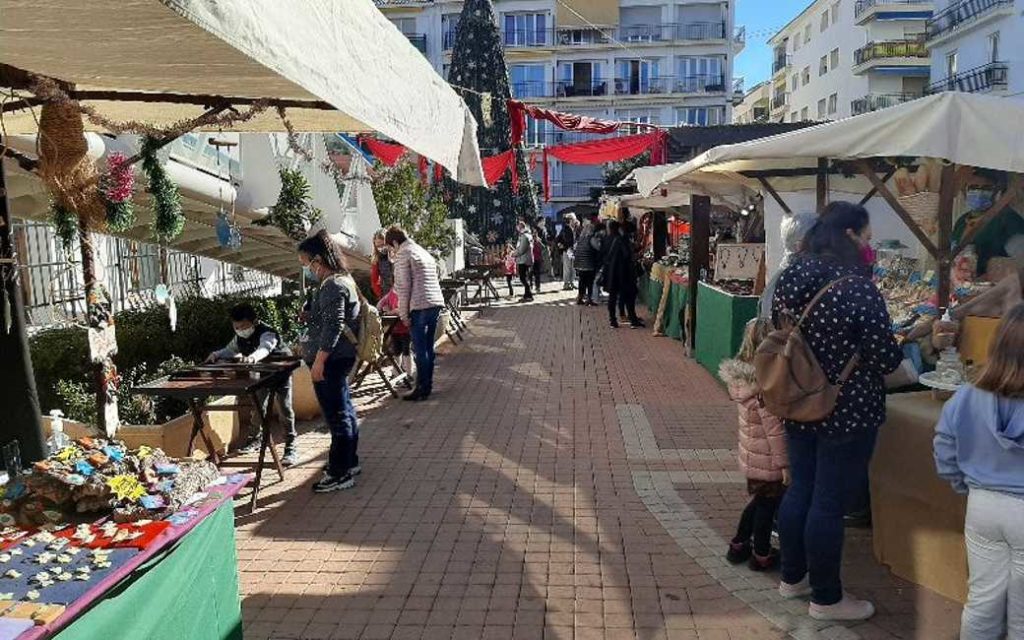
pixel 976 46
pixel 666 62
pixel 839 58
pixel 756 105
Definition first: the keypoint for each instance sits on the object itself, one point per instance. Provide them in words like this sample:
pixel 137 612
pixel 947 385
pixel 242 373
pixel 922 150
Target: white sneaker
pixel 847 609
pixel 801 589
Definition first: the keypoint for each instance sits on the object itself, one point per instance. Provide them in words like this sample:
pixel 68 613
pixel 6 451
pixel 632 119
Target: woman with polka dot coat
pixel 829 458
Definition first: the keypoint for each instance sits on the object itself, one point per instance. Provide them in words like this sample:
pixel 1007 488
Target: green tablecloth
pixel 721 319
pixel 675 308
pixel 188 592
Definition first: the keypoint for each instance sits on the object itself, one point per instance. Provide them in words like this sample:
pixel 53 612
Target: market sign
pixel 738 261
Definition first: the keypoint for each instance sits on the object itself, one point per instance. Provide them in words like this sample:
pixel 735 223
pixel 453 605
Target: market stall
pixel 97 532
pixel 949 168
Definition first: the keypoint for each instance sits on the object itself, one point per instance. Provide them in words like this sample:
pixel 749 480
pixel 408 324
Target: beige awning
pixel 341 52
pixel 585 13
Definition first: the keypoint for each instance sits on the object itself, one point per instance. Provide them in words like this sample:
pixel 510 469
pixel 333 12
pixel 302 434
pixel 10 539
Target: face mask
pixel 979 199
pixel 867 254
pixel 245 333
pixel 308 272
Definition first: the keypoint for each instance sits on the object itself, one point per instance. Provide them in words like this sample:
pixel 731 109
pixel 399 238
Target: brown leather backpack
pixel 793 384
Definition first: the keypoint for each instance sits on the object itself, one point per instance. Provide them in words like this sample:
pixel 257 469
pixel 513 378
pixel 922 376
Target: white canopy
pixel 963 128
pixel 342 52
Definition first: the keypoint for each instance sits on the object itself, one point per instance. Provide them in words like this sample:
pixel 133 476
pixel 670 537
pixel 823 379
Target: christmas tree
pixel 479 75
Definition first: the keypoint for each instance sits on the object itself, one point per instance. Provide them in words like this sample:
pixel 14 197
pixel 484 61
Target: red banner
pixel 566 121
pixel 607 150
pixel 387 152
pixel 495 168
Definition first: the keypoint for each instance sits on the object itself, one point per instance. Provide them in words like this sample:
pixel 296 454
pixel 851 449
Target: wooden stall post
pixel 944 257
pixel 822 185
pixel 18 392
pixel 660 233
pixel 700 248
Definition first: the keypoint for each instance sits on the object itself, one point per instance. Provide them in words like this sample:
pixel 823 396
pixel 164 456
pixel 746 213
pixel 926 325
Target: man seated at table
pixel 255 341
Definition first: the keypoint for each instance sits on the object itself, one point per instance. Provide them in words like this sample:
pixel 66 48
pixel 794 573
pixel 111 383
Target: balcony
pixel 636 86
pixel 780 100
pixel 419 41
pixel 528 38
pixel 576 189
pixel 670 32
pixel 780 63
pixel 866 10
pixel 909 53
pixel 448 40
pixel 583 37
pixel 522 90
pixel 964 14
pixel 580 88
pixel 877 101
pixel 989 77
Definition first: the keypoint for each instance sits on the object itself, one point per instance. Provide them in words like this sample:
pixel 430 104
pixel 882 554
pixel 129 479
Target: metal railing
pixel 780 99
pixel 739 36
pixel 864 5
pixel 672 31
pixel 576 189
pixel 977 80
pixel 780 62
pixel 890 49
pixel 876 101
pixel 629 86
pixel 960 13
pixel 525 38
pixel 448 40
pixel 535 89
pixel 419 41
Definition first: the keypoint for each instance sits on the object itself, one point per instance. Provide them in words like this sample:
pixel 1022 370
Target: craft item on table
pixel 167 469
pixel 182 517
pixel 111 535
pixel 11 628
pixel 37 613
pixel 738 261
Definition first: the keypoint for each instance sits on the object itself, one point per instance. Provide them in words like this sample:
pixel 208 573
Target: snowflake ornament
pixel 497 219
pixel 496 202
pixel 471 208
pixel 492 236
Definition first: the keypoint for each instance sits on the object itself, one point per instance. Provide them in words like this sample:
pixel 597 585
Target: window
pixel 537 132
pixel 445 68
pixel 525 29
pixel 581 79
pixel 635 77
pixel 804 113
pixel 794 117
pixel 449 23
pixel 796 42
pixel 806 79
pixel 835 12
pixel 823 66
pixel 701 116
pixel 824 22
pixel 821 109
pixel 700 74
pixel 833 62
pixel 807 34
pixel 951 64
pixel 527 80
pixel 795 84
pixel 639 117
pixel 406 25
pixel 993 47
pixel 833 104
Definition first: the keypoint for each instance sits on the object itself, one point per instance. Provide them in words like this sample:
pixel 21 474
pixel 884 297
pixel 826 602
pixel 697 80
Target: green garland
pixel 168 219
pixel 120 215
pixel 65 222
pixel 293 213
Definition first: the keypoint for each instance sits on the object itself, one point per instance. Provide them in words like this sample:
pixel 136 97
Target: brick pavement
pixel 569 481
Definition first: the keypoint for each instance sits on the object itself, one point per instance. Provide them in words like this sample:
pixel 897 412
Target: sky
pixel 762 18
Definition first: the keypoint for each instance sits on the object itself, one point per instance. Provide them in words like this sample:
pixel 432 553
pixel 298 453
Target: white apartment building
pixel 839 58
pixel 977 46
pixel 664 62
pixel 756 105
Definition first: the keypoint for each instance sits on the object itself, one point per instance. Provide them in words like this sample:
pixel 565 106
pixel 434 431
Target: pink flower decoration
pixel 119 183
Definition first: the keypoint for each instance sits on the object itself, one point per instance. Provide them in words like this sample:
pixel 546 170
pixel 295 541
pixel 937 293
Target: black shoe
pixel 738 552
pixel 764 563
pixel 416 396
pixel 614 324
pixel 331 483
pixel 252 445
pixel 637 324
pixel 581 302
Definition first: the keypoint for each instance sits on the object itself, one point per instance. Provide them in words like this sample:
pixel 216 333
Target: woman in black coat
pixel 620 275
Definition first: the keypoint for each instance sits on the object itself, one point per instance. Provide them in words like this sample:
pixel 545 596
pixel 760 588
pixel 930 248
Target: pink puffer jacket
pixel 762 436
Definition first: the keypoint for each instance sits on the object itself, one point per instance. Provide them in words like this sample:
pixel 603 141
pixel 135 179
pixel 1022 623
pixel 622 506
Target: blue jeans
pixel 424 328
pixel 826 473
pixel 340 414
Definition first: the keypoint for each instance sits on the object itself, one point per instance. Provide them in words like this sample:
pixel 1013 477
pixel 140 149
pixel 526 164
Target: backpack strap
pixel 818 296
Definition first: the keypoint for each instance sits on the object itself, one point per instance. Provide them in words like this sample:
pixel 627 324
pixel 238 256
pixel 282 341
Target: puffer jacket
pixel 762 436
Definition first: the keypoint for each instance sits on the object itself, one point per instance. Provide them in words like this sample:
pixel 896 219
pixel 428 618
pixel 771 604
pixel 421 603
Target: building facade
pixel 977 46
pixel 650 62
pixel 756 105
pixel 895 59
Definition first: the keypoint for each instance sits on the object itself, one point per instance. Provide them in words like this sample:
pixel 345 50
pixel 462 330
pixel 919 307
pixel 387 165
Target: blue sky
pixel 762 18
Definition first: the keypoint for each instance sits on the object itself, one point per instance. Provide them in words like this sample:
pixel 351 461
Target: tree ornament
pixel 65 224
pixel 294 212
pixel 117 188
pixel 168 219
pixel 485 109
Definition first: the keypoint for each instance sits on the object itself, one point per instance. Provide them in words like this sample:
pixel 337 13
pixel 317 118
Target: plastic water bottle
pixel 58 439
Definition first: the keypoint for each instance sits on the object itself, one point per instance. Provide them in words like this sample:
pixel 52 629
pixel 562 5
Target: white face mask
pixel 245 333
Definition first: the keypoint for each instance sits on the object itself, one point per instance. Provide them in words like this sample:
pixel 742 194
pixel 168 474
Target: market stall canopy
pixel 337 65
pixel 655 201
pixel 963 128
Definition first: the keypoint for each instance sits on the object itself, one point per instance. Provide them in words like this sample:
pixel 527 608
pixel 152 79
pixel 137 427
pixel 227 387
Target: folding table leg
pixel 387 381
pixel 197 429
pixel 267 441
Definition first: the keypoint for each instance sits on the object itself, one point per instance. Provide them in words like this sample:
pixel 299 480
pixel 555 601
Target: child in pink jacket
pixel 762 456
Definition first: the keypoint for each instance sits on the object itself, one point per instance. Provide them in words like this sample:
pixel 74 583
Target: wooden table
pixel 363 369
pixel 450 290
pixel 481 276
pixel 198 385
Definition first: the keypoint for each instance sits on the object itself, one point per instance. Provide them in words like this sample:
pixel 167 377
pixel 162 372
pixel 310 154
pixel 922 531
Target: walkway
pixel 569 481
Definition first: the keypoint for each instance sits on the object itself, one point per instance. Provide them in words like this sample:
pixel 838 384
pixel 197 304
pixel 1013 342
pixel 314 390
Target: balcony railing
pixel 978 80
pixel 876 101
pixel 739 36
pixel 637 86
pixel 531 89
pixel 864 5
pixel 890 49
pixel 961 13
pixel 582 37
pixel 419 41
pixel 780 63
pixel 660 85
pixel 556 136
pixel 576 189
pixel 523 38
pixel 448 40
pixel 780 100
pixel 672 31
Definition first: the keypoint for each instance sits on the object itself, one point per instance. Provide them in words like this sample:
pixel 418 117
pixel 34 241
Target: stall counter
pixel 918 519
pixel 721 320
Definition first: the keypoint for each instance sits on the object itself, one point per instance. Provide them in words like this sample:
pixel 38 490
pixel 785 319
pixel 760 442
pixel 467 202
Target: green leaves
pixel 168 218
pixel 294 212
pixel 403 199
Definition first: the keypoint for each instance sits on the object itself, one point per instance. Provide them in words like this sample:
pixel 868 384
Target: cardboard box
pixel 976 336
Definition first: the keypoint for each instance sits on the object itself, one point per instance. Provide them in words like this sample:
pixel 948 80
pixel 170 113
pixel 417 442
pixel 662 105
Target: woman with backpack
pixel 847 329
pixel 979 449
pixel 329 349
pixel 585 261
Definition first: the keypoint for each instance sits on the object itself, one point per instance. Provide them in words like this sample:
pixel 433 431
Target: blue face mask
pixel 306 271
pixel 979 199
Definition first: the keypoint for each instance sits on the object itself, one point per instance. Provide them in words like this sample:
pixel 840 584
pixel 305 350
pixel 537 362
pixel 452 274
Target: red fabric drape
pixel 567 121
pixel 424 166
pixel 496 166
pixel 387 152
pixel 438 173
pixel 602 151
pixel 547 178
